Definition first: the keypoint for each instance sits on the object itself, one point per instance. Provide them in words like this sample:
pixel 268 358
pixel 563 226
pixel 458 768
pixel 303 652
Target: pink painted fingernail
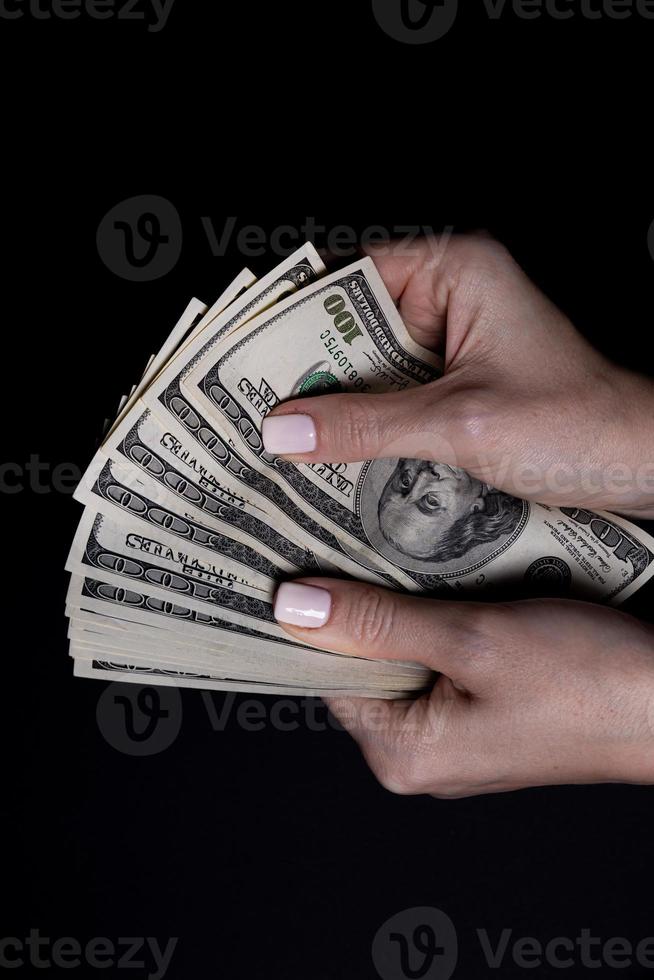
pixel 287 434
pixel 302 605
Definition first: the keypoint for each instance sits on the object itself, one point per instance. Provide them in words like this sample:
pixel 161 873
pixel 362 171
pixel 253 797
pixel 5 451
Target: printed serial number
pixel 333 348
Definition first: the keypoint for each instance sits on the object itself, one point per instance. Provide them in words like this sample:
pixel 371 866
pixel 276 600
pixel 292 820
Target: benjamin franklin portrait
pixel 434 516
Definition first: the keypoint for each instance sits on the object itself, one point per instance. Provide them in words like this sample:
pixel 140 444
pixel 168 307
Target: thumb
pixel 362 620
pixel 402 741
pixel 415 424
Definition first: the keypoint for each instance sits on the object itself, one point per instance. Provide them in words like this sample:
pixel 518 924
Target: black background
pixel 271 853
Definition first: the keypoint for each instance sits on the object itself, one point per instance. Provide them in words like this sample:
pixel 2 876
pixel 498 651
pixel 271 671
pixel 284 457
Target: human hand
pixel 531 693
pixel 526 405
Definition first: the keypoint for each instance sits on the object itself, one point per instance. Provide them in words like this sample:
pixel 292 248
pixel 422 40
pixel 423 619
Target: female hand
pixel 531 693
pixel 525 405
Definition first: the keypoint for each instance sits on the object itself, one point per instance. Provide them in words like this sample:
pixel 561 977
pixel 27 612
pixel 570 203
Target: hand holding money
pixel 525 405
pixel 191 522
pixel 530 693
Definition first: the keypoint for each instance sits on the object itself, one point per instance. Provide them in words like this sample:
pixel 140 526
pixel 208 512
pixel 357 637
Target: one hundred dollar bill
pixel 189 524
pixel 234 651
pixel 108 670
pixel 431 525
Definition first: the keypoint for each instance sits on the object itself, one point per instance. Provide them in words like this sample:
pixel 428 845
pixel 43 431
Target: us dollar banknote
pixel 99 668
pixel 224 649
pixel 164 423
pixel 193 321
pixel 431 525
pixel 189 525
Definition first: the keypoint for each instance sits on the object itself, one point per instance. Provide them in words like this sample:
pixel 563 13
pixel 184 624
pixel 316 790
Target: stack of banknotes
pixel 189 524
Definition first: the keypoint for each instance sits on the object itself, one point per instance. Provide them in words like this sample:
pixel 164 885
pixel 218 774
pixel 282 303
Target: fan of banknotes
pixel 189 525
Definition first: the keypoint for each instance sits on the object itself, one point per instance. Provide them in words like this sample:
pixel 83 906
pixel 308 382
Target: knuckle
pixel 485 634
pixel 357 427
pixel 397 775
pixel 370 618
pixel 476 420
pixel 484 267
pixel 485 250
pixel 474 415
pixel 391 779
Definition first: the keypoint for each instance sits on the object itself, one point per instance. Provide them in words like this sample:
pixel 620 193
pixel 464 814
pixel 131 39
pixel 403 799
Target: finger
pixel 351 427
pixel 383 722
pixel 376 726
pixel 366 621
pixel 414 274
pixel 407 744
pixel 361 716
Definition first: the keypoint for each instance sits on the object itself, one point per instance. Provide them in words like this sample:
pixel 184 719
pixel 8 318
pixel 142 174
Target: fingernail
pixel 289 434
pixel 302 605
